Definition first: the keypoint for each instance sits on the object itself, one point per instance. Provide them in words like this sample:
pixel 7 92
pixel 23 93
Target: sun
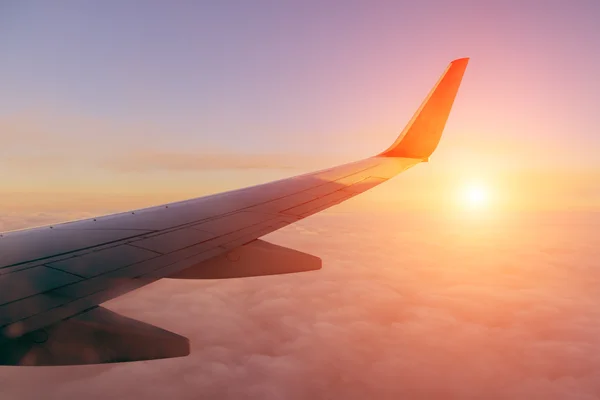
pixel 475 196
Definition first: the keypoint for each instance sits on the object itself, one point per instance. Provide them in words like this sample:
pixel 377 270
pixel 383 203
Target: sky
pixel 114 105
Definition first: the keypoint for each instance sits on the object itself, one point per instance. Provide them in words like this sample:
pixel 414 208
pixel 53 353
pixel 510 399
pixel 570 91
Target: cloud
pixel 39 143
pixel 406 306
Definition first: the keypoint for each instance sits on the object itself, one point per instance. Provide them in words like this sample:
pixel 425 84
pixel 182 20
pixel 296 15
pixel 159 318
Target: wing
pixel 53 278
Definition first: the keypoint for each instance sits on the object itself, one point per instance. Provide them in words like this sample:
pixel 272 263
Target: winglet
pixel 422 134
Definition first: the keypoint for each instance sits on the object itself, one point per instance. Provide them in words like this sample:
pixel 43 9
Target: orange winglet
pixel 422 134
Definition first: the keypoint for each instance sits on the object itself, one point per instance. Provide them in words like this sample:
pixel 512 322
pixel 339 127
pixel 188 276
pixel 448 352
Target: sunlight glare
pixel 475 196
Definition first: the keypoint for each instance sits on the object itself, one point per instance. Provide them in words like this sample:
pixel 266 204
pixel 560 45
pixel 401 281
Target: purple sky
pixel 90 86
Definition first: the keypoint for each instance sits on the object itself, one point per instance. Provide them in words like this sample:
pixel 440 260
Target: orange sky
pixel 100 130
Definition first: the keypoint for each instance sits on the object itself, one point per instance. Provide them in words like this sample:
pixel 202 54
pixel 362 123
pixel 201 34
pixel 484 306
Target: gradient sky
pixel 117 104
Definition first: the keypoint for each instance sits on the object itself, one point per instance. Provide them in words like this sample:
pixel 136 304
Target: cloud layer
pixel 412 306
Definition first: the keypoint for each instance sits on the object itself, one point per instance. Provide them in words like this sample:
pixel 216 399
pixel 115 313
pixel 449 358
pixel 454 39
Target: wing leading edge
pixel 53 278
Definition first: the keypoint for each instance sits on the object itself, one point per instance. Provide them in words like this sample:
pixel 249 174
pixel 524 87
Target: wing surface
pixel 60 272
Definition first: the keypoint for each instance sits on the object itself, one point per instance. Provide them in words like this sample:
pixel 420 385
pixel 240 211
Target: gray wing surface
pixel 53 278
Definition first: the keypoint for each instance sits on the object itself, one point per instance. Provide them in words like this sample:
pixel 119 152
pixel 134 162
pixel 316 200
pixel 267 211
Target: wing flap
pixel 257 258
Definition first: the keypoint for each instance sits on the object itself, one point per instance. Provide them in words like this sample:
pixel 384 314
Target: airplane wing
pixel 53 278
